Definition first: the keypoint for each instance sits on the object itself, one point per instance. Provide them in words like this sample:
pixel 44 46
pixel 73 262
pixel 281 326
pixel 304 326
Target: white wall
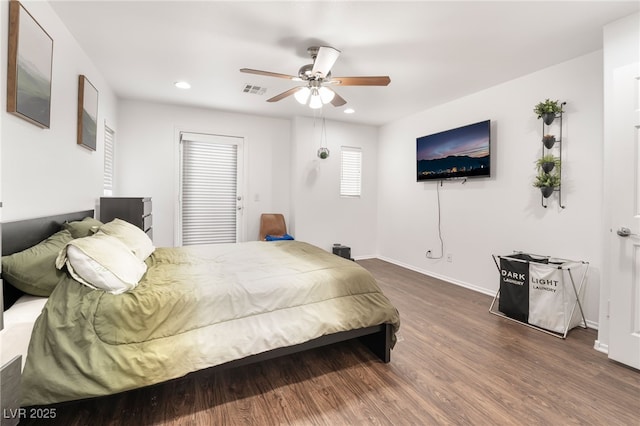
pixel 283 173
pixel 503 213
pixel 320 215
pixel 147 160
pixel 44 171
pixel 621 41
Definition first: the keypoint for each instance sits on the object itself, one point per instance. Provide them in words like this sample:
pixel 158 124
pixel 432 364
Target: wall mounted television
pixel 463 152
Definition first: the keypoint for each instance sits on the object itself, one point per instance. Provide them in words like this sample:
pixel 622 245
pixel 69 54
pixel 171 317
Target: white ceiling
pixel 433 51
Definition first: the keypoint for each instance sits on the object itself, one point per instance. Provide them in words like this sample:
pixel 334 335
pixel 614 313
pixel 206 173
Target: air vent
pixel 254 90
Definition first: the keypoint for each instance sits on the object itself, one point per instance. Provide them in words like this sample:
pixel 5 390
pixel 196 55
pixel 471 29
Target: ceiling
pixel 433 51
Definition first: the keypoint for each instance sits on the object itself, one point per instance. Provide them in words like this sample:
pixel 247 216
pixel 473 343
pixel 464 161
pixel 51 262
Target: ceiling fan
pixel 318 76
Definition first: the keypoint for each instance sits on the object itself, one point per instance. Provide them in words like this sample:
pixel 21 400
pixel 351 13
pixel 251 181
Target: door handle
pixel 625 232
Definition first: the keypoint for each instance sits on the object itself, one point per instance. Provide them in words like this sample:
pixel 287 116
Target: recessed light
pixel 182 85
pixel 349 111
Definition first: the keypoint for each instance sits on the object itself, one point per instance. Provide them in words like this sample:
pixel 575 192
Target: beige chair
pixel 272 224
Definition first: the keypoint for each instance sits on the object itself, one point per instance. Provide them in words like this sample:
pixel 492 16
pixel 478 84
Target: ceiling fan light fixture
pixel 326 94
pixel 316 101
pixel 302 95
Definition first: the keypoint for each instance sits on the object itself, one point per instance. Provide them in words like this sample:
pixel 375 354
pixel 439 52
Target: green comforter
pixel 196 307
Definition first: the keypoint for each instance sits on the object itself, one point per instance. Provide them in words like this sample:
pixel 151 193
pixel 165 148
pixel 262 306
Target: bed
pixel 197 307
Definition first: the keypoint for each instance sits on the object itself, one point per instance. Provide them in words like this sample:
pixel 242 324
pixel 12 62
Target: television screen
pixel 457 153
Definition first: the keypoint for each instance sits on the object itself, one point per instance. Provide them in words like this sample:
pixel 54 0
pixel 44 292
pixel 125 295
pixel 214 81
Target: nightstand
pixel 10 390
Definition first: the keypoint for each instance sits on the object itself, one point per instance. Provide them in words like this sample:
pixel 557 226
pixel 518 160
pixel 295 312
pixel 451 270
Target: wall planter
pixel 546 191
pixel 547 182
pixel 547 163
pixel 548 117
pixel 549 177
pixel 548 141
pixel 548 110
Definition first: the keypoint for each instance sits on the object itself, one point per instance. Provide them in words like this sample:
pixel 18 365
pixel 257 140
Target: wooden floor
pixel 454 364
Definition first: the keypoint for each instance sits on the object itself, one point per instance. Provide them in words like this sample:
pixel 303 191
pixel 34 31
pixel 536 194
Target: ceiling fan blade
pixel 270 74
pixel 360 81
pixel 283 95
pixel 324 61
pixel 337 100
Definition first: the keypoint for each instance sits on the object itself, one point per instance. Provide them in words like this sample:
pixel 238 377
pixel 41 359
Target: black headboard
pixel 22 234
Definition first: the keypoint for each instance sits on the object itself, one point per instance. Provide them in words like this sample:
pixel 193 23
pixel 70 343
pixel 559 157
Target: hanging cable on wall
pixel 439 223
pixel 438 185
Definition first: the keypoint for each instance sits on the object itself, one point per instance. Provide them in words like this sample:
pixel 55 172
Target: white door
pixel 624 242
pixel 211 201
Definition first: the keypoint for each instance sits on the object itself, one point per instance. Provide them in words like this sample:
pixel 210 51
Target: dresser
pixel 135 210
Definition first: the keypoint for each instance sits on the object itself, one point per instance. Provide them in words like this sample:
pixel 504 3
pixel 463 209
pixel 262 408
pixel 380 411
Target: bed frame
pixel 19 235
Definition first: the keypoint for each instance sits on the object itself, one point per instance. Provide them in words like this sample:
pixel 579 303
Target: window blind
pixel 209 191
pixel 107 177
pixel 350 171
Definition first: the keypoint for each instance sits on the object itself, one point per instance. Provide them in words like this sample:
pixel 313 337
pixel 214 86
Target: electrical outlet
pixel 449 257
pixel 429 254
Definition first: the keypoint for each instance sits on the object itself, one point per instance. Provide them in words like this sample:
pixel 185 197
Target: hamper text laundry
pixel 514 277
pixel 545 285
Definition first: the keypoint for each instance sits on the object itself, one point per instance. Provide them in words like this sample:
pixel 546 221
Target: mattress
pixel 19 320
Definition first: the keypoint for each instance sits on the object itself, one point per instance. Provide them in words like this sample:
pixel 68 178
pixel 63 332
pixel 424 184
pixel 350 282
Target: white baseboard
pixel 592 324
pixel 601 347
pixel 365 257
pixel 440 277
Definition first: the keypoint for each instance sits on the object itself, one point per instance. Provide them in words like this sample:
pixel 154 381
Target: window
pixel 107 179
pixel 350 171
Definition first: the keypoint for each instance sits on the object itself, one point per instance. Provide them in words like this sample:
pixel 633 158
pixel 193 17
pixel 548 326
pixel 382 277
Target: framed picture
pixel 87 113
pixel 29 67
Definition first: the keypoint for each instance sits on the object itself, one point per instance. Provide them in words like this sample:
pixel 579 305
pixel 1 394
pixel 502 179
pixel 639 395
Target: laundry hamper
pixel 541 292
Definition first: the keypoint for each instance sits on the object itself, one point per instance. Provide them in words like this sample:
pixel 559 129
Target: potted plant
pixel 323 153
pixel 547 110
pixel 548 141
pixel 548 163
pixel 547 182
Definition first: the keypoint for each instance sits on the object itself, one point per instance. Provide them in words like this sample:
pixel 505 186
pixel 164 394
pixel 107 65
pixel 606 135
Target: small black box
pixel 342 251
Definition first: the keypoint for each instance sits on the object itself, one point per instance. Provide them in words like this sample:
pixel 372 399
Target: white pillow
pixel 132 236
pixel 102 261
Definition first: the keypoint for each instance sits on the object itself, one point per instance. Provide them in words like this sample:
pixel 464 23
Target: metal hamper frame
pixel 565 264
